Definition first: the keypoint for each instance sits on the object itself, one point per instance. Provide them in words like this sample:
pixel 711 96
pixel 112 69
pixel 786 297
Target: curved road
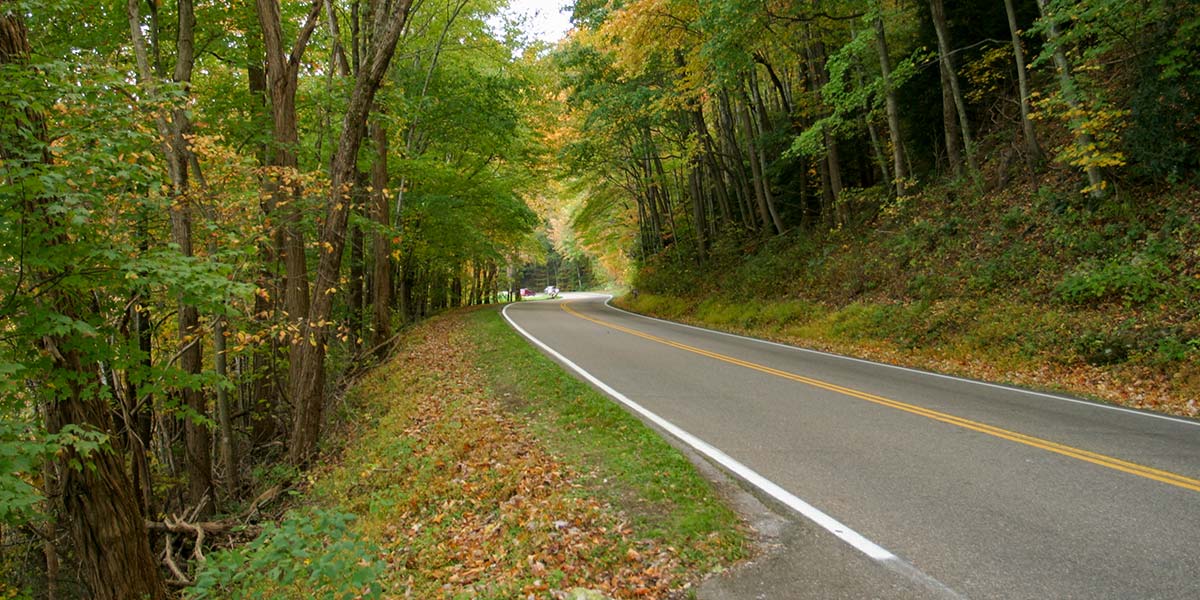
pixel 970 489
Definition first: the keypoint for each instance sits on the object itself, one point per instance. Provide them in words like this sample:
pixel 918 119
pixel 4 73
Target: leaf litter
pixel 464 502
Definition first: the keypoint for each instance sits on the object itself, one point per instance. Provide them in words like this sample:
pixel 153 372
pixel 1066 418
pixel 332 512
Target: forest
pixel 1002 189
pixel 213 212
pixel 216 214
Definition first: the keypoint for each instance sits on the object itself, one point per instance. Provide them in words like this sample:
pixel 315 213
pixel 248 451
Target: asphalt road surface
pixel 967 489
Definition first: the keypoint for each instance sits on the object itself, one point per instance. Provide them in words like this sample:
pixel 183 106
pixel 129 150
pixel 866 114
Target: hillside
pixel 1015 285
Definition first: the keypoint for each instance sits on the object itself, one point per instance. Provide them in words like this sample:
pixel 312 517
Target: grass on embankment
pixel 475 467
pixel 1028 284
pixel 993 340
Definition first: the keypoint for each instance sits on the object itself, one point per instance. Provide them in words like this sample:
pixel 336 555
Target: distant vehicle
pixel 551 291
pixel 526 292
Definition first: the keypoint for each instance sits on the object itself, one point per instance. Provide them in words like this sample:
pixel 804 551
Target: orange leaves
pixel 481 507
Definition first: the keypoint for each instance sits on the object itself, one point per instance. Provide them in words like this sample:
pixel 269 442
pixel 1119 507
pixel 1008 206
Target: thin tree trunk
pixel 307 389
pixel 381 247
pixel 943 36
pixel 831 168
pixel 760 124
pixel 356 284
pixel 764 214
pixel 172 132
pixel 1070 95
pixel 283 201
pixel 893 112
pixel 1033 151
pixel 729 134
pixel 950 125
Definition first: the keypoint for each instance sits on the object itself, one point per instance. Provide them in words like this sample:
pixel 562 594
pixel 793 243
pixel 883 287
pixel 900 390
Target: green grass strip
pixel 627 462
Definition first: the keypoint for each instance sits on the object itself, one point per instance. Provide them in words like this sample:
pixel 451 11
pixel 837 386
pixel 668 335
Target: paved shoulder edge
pixel 746 474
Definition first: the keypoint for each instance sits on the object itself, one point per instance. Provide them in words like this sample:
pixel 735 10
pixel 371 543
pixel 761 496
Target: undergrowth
pixel 1026 285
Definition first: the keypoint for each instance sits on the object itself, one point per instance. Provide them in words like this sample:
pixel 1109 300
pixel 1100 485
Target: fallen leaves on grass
pixel 463 501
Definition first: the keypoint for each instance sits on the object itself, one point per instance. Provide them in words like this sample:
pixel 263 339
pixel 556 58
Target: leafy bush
pixel 314 553
pixel 1135 280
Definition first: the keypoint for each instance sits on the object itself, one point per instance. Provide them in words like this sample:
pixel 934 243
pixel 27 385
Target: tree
pixel 1032 149
pixel 893 112
pixel 104 519
pixel 1084 140
pixel 954 91
pixel 306 385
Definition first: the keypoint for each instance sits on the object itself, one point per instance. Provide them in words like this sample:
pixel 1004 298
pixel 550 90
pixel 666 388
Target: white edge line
pixel 860 543
pixel 998 386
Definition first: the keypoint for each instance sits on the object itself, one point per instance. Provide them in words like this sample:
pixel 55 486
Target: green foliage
pixel 1164 134
pixel 849 94
pixel 313 553
pixel 1134 279
pixel 22 452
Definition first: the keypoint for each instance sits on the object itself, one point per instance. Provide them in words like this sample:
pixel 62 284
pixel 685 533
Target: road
pixel 971 489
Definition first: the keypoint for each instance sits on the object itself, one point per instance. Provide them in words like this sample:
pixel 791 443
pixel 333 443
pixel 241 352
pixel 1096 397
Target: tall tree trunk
pixel 943 36
pixel 172 132
pixel 283 193
pixel 307 389
pixel 729 135
pixel 381 248
pixel 1066 84
pixel 698 217
pixel 1033 152
pixel 893 112
pixel 264 372
pixel 760 127
pixel 756 174
pixel 831 168
pixel 950 126
pixel 103 516
pixel 357 269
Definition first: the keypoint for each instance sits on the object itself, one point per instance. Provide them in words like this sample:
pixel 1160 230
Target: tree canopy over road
pixel 213 213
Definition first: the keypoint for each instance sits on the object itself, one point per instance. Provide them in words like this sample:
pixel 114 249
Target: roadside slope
pixel 474 466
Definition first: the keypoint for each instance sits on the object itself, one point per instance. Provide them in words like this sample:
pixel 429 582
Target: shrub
pixel 314 553
pixel 1135 280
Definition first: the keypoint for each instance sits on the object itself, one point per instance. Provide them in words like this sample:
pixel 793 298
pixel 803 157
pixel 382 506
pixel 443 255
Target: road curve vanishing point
pixel 990 490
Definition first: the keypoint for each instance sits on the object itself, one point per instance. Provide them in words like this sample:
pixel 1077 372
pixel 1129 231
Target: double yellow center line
pixel 1020 438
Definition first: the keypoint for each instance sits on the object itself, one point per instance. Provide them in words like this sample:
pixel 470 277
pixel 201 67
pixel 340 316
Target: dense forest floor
pixel 1026 285
pixel 470 464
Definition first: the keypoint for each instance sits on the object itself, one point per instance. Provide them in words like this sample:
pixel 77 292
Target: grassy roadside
pixel 996 340
pixel 623 461
pixel 1028 283
pixel 472 466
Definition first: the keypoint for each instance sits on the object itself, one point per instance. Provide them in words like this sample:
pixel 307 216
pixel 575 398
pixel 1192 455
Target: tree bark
pixel 950 127
pixel 381 247
pixel 756 174
pixel 282 204
pixel 893 111
pixel 729 135
pixel 760 127
pixel 831 167
pixel 174 143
